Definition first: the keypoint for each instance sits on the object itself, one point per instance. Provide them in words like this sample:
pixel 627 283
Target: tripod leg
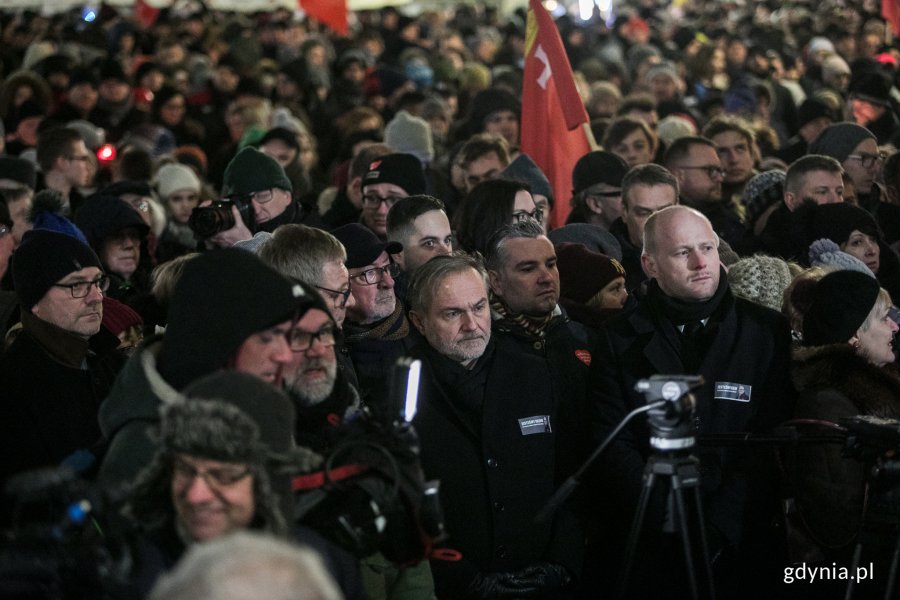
pixel 635 534
pixel 892 574
pixel 681 509
pixel 704 543
pixel 857 554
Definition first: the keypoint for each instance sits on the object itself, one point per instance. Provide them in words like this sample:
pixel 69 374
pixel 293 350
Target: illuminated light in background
pixel 88 14
pixel 106 152
pixel 585 9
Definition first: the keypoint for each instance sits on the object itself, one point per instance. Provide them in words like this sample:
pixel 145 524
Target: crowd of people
pixel 220 232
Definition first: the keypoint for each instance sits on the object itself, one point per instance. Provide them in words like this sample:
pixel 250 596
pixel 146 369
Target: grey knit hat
pixel 410 134
pixel 761 192
pixel 826 253
pixel 760 279
pixel 526 170
pixel 839 140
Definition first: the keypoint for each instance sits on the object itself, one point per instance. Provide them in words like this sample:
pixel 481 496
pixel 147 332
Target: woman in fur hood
pixel 841 370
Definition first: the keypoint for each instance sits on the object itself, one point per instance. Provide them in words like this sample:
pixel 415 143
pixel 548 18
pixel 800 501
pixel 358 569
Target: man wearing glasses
pixel 856 148
pixel 597 188
pixel 62 364
pixel 376 330
pixel 695 163
pixel 388 179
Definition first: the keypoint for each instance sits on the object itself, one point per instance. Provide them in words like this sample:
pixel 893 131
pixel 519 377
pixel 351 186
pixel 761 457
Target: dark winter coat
pixel 53 384
pixel 631 256
pixel 495 472
pixel 834 382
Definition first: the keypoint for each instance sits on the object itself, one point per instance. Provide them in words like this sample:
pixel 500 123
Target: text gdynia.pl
pixel 812 574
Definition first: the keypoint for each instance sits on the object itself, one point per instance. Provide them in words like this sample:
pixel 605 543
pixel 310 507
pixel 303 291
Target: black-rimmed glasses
pixel 373 276
pixel 83 288
pixel 373 201
pixel 868 160
pixel 521 215
pixel 217 478
pixel 301 341
pixel 712 171
pixel 338 298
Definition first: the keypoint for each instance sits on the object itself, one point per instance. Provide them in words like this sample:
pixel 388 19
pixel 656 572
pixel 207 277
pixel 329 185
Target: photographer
pixel 261 199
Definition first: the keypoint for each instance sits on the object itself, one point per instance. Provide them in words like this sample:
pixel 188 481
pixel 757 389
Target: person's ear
pixel 649 266
pixel 593 205
pixel 399 259
pixel 496 282
pixel 417 321
pixel 854 342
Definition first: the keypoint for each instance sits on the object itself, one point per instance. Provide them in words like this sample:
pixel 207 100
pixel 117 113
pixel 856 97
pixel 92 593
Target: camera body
pixel 671 422
pixel 207 221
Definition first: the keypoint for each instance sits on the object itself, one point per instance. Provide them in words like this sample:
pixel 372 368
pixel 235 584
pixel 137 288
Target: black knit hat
pixel 222 298
pixel 103 216
pixel 598 167
pixel 840 303
pixel 489 101
pixel 834 222
pixel 362 245
pixel 19 170
pixel 403 170
pixel 872 87
pixel 283 134
pixel 814 108
pixel 839 140
pixel 43 259
pixel 252 171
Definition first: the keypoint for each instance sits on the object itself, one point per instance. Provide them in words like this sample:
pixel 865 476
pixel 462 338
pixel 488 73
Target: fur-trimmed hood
pixel 873 390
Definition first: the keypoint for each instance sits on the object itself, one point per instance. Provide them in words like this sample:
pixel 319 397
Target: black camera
pixel 207 221
pixel 671 421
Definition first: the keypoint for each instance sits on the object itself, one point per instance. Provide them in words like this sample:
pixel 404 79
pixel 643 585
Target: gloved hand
pixel 534 581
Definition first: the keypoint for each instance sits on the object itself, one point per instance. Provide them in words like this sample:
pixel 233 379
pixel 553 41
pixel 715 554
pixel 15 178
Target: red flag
pixel 145 14
pixel 890 10
pixel 332 13
pixel 555 125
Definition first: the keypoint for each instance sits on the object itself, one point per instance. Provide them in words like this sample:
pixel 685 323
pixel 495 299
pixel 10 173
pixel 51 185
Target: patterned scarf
pixel 535 326
pixel 394 327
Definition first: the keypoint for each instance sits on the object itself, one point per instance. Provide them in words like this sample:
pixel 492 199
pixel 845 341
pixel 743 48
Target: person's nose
pixel 198 491
pixel 445 248
pixel 698 260
pixel 387 282
pixel 468 322
pixel 282 352
pixel 383 208
pixel 94 294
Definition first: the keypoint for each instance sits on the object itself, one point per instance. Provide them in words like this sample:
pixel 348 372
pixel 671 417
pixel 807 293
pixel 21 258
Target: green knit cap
pixel 252 171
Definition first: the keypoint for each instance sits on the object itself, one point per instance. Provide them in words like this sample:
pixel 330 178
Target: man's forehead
pixel 524 249
pixel 460 289
pixel 85 274
pixel 385 189
pixel 427 222
pixel 729 139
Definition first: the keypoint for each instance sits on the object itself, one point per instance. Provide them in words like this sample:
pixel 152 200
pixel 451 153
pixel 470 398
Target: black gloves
pixel 534 581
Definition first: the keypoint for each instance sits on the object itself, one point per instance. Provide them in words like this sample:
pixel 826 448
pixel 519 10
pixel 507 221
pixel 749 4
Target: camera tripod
pixel 678 472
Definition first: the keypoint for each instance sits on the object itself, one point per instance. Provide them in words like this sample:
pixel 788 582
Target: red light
pixel 106 152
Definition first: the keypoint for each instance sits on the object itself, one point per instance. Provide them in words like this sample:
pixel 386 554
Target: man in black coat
pixel 487 422
pixel 62 364
pixel 690 323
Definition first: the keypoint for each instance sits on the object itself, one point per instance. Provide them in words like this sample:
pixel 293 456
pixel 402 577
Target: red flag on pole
pixel 555 126
pixel 145 14
pixel 890 10
pixel 332 13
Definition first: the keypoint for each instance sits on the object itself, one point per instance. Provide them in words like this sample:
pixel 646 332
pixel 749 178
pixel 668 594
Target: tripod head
pixel 671 421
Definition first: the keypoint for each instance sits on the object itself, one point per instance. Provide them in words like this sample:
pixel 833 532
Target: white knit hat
pixel 174 177
pixel 411 135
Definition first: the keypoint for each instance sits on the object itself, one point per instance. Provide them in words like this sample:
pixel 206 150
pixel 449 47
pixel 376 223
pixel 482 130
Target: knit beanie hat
pixel 252 171
pixel 222 298
pixel 43 259
pixel 282 134
pixel 596 167
pixel 526 170
pixel 825 253
pixel 762 191
pixel 17 169
pixel 362 245
pixel 872 87
pixel 820 44
pixel 118 317
pixel 487 102
pixel 760 279
pixel 839 140
pixel 403 170
pixel 834 65
pixel 814 108
pixel 593 237
pixel 583 273
pixel 840 303
pixel 176 177
pixel 675 126
pixel 410 134
pixel 103 216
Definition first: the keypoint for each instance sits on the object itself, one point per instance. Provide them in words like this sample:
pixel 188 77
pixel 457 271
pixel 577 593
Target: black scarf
pixel 679 311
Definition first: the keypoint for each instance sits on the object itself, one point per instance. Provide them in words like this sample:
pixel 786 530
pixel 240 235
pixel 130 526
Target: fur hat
pixel 403 170
pixel 598 167
pixel 118 317
pixel 20 170
pixel 410 134
pixel 839 140
pixel 760 279
pixel 176 177
pixel 362 245
pixel 840 303
pixel 222 298
pixel 762 191
pixel 43 259
pixel 252 171
pixel 526 170
pixel 593 237
pixel 583 273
